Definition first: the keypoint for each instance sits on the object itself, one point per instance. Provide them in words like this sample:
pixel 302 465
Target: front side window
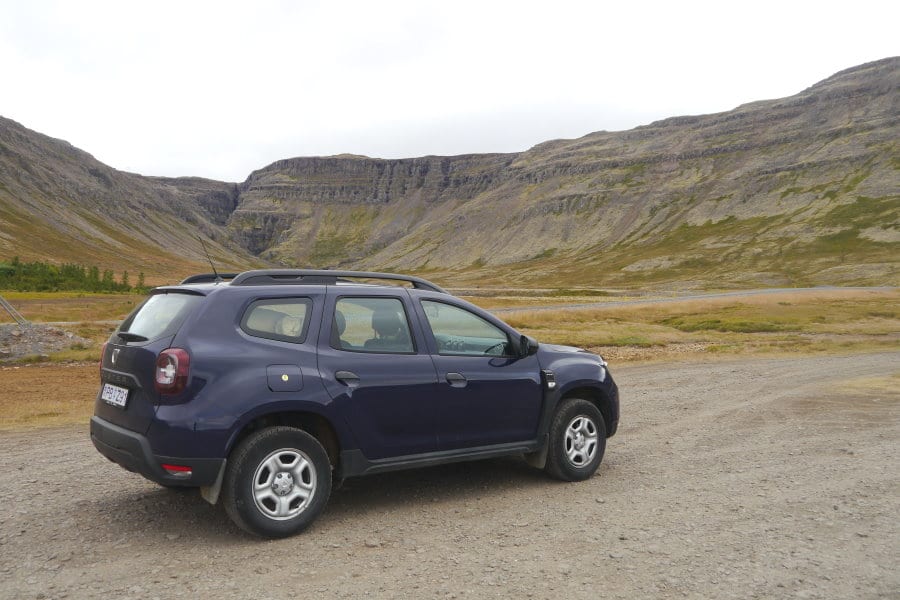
pixel 462 333
pixel 277 319
pixel 371 325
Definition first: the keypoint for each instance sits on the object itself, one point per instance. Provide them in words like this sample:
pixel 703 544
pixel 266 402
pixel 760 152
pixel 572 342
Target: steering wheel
pixel 490 350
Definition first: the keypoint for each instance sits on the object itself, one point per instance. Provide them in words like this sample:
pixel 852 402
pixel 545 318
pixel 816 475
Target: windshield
pixel 160 315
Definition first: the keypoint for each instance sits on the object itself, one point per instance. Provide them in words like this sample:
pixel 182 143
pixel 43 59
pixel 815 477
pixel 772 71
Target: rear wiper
pixel 131 337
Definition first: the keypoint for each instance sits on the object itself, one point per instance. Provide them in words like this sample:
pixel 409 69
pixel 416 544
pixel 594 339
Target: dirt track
pixel 754 479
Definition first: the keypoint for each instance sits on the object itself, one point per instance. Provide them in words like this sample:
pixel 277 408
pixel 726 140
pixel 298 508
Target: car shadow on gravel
pixel 171 516
pixel 156 515
pixel 456 482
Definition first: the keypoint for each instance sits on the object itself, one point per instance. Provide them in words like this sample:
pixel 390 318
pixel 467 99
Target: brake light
pixel 172 369
pixel 102 354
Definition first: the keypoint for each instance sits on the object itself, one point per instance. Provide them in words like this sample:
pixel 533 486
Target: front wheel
pixel 277 482
pixel 577 440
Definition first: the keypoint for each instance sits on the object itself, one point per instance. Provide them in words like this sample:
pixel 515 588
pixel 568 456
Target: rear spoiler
pixel 208 278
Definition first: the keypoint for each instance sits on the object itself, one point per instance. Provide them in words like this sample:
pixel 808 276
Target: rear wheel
pixel 277 482
pixel 577 440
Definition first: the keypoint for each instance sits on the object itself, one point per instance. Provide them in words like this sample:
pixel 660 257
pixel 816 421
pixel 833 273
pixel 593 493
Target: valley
pixel 799 191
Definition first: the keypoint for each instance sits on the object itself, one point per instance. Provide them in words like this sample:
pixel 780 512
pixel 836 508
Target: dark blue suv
pixel 267 389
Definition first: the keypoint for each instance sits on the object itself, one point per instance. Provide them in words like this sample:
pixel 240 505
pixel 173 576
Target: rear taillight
pixel 179 471
pixel 102 354
pixel 172 369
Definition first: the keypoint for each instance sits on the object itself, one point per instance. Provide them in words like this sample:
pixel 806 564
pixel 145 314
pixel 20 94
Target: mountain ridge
pixel 798 190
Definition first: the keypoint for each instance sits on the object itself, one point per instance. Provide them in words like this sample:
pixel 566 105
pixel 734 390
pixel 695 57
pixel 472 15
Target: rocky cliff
pixel 800 190
pixel 779 191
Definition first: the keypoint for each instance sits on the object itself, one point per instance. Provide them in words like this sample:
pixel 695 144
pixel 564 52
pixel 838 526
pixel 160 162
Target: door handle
pixel 456 379
pixel 348 378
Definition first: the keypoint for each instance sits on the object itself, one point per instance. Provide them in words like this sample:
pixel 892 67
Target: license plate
pixel 115 395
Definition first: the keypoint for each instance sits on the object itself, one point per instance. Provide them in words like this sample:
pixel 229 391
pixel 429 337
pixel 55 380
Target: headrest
pixel 290 326
pixel 386 322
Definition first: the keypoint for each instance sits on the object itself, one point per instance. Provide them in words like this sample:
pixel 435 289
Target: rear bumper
pixel 132 451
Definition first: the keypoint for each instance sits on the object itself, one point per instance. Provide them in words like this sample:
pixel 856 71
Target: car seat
pixel 390 332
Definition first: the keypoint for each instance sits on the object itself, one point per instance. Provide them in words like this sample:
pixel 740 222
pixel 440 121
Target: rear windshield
pixel 160 315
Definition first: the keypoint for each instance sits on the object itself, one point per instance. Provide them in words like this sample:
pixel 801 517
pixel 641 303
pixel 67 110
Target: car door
pixel 485 394
pixel 377 369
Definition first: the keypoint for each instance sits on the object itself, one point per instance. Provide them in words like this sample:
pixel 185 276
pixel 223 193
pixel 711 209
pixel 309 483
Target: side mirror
pixel 528 346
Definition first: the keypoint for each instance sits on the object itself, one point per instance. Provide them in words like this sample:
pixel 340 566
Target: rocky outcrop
pixel 362 180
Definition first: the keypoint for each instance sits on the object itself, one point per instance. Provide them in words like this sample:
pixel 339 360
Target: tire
pixel 277 482
pixel 577 440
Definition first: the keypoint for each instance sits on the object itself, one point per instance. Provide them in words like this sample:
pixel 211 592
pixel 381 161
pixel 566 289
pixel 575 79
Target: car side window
pixel 369 324
pixel 281 319
pixel 459 332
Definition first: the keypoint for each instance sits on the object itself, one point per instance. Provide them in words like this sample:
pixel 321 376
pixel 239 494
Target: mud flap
pixel 210 493
pixel 538 459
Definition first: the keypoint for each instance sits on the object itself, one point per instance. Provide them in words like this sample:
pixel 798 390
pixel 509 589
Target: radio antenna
pixel 216 273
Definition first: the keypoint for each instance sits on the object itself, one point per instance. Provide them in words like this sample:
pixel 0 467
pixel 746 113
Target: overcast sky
pixel 220 88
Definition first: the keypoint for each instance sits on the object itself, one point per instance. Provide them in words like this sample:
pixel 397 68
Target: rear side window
pixel 282 319
pixel 371 325
pixel 160 315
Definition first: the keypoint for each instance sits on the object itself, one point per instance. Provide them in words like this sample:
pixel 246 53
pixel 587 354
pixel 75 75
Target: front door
pixel 485 394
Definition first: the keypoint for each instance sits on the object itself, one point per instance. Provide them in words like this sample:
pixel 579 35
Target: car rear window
pixel 160 315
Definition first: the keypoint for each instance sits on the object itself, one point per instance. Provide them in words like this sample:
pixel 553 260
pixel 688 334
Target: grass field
pixel 61 389
pixel 827 321
pixel 44 307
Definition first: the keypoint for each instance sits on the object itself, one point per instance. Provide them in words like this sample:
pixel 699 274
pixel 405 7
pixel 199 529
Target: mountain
pixel 796 191
pixel 59 203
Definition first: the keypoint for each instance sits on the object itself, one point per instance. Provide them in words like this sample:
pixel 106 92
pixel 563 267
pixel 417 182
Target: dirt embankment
pixel 758 478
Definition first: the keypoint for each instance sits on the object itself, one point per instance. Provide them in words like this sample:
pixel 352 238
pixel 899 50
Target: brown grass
pixel 47 395
pixel 835 321
pixel 46 307
pixel 786 323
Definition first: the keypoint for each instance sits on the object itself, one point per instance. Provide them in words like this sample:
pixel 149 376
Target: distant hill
pixel 799 191
pixel 58 203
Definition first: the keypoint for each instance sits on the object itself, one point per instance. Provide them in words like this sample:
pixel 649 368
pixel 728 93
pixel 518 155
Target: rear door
pixel 127 395
pixel 376 368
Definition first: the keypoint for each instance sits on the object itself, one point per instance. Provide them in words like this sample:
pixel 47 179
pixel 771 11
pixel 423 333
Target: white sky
pixel 220 88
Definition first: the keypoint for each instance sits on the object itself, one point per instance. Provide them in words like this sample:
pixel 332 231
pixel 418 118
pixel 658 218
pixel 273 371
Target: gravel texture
pixel 753 479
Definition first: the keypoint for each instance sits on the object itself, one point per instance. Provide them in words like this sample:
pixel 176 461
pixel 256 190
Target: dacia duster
pixel 266 388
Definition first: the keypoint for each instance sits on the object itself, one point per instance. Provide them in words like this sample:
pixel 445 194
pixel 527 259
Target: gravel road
pixel 760 478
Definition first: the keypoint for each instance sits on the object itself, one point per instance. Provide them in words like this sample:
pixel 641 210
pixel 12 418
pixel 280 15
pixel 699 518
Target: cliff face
pixel 800 190
pixel 337 209
pixel 775 191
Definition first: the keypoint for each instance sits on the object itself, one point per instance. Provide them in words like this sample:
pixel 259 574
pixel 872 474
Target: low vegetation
pixel 826 321
pixel 67 307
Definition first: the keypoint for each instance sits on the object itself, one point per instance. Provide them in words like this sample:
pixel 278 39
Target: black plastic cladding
pixel 312 277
